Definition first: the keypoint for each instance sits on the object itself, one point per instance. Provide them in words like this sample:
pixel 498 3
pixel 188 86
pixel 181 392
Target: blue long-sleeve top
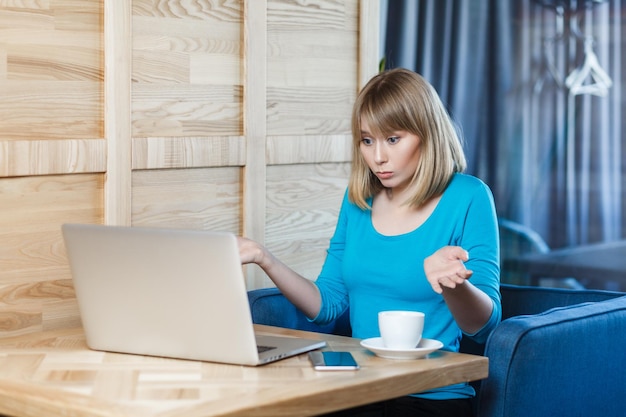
pixel 371 272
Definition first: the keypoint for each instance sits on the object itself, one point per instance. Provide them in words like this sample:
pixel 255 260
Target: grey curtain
pixel 536 87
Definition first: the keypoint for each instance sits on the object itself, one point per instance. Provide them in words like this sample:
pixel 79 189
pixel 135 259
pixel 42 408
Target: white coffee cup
pixel 401 330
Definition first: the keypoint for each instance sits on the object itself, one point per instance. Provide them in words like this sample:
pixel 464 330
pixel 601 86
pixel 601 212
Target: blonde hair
pixel 400 99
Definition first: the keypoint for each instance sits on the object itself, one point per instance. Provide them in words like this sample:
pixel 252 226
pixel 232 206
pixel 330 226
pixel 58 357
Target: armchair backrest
pixel 269 306
pixel 519 300
pixel 565 361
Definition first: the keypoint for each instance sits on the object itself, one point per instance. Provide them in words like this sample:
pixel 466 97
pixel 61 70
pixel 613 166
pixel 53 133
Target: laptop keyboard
pixel 262 349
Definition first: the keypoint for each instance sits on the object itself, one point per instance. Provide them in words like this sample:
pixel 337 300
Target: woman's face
pixel 393 159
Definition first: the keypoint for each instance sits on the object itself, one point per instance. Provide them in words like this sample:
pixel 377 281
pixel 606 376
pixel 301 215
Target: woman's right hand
pixel 299 290
pixel 250 251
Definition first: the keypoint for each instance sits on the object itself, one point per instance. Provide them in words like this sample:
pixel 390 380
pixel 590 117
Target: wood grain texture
pixel 186 68
pixel 50 110
pixel 53 373
pixel 312 63
pixel 207 199
pixel 190 152
pixel 308 149
pixel 170 114
pixel 48 157
pixel 117 188
pixel 186 110
pixel 302 207
pixel 35 287
pixel 51 71
pixel 369 40
pixel 255 129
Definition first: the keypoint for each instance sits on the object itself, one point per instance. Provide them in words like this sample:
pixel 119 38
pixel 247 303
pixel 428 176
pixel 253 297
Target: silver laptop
pixel 170 293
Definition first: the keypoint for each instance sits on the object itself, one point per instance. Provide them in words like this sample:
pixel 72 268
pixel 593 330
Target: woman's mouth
pixel 384 175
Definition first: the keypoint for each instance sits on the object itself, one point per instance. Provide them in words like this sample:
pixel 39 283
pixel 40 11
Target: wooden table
pixel 599 266
pixel 54 373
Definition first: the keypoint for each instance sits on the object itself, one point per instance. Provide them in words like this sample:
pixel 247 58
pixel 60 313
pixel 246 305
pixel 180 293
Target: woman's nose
pixel 380 155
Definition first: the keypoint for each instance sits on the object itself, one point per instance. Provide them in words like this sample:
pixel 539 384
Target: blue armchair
pixel 567 361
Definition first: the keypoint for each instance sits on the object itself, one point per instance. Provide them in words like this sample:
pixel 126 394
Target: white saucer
pixel 425 346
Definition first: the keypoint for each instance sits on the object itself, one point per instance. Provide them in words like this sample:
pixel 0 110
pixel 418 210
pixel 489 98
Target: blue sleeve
pixel 330 281
pixel 480 238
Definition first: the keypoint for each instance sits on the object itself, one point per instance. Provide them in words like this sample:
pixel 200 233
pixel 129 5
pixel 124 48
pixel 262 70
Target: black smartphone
pixel 332 361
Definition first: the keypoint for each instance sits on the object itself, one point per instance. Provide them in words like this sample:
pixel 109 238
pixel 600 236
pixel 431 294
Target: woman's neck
pixel 391 215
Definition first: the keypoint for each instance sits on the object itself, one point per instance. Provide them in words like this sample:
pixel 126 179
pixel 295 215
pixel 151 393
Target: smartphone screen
pixel 333 361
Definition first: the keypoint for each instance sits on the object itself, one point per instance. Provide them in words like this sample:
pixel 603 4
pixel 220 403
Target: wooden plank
pixel 35 287
pixel 186 70
pixel 39 109
pixel 117 111
pixel 369 40
pixel 188 152
pixel 180 110
pixel 46 157
pixel 187 12
pixel 310 110
pixel 255 127
pixel 312 65
pixel 199 198
pixel 283 150
pixel 303 202
pixel 34 208
pixel 50 70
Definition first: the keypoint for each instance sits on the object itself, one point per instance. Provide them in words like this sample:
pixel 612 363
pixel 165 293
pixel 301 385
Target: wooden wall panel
pixel 308 149
pixel 203 198
pixel 312 62
pixel 313 67
pixel 51 122
pixel 186 69
pixel 185 110
pixel 51 156
pixel 222 115
pixel 52 73
pixel 117 123
pixel 36 110
pixel 255 128
pixel 35 282
pixel 303 202
pixel 191 152
pixel 187 114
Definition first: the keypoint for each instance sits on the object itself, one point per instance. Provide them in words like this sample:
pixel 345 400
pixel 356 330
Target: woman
pixel 414 233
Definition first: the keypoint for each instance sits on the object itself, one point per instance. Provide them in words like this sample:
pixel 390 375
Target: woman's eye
pixel 366 141
pixel 393 139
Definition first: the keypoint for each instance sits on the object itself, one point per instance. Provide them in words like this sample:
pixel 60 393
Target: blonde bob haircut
pixel 401 100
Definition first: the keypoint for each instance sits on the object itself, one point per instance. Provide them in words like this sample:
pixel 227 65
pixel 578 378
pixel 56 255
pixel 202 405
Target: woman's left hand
pixel 446 268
